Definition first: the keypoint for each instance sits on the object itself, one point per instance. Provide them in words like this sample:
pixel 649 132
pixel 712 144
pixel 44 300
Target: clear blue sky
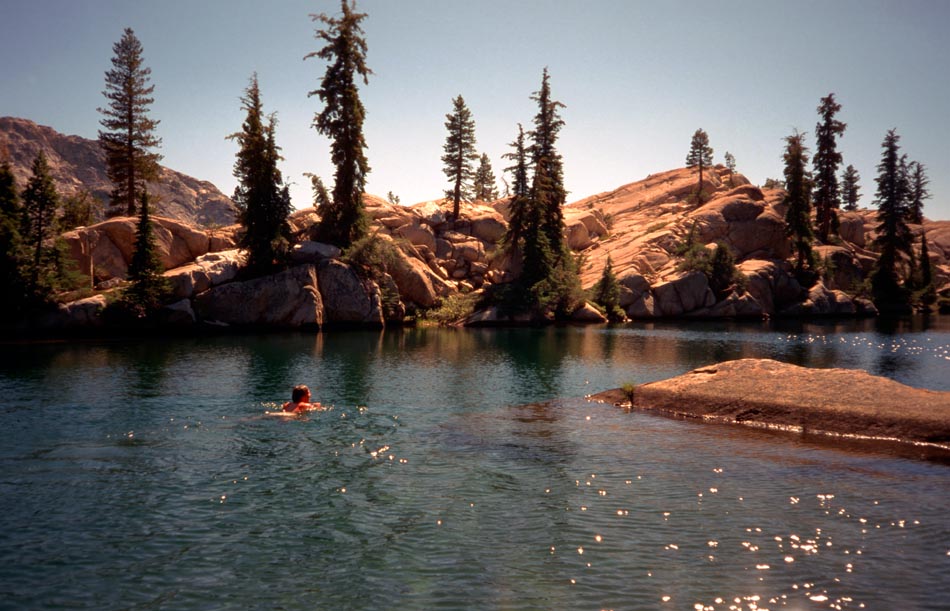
pixel 637 78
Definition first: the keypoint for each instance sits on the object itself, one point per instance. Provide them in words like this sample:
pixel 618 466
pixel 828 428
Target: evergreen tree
pixel 520 192
pixel 798 199
pixel 459 154
pixel 827 159
pixel 320 195
pixel 343 221
pixel 700 155
pixel 549 270
pixel 548 284
pixel 11 259
pixel 894 238
pixel 850 190
pixel 547 189
pixel 917 192
pixel 129 133
pixel 485 188
pixel 148 288
pixel 926 290
pixel 79 210
pixel 722 270
pixel 606 292
pixel 731 166
pixel 40 201
pixel 262 199
pixel 46 266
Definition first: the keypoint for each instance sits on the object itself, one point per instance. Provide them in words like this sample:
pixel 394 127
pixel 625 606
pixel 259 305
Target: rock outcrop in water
pixel 764 392
pixel 78 164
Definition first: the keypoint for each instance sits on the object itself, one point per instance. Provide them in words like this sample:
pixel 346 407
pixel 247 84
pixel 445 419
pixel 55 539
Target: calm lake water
pixel 455 470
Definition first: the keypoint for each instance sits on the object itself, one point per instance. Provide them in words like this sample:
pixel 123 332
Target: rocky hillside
pixel 649 218
pixel 78 163
pixel 638 226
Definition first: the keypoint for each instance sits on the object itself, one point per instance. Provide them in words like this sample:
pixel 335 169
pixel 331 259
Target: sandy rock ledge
pixel 770 393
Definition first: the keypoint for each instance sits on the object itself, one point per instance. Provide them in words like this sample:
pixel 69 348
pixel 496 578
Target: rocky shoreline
pixel 838 403
pixel 640 228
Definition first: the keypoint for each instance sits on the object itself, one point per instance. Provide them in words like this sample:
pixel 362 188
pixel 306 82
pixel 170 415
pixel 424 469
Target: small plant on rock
pixel 629 390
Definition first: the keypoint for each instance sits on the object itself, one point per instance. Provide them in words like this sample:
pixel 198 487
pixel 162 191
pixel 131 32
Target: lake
pixel 456 469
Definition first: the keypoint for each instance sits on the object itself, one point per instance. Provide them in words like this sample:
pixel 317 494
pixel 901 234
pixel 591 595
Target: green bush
pixel 454 308
pixel 371 257
pixel 629 390
pixel 719 266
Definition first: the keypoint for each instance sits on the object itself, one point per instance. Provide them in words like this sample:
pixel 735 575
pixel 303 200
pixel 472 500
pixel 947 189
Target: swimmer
pixel 301 400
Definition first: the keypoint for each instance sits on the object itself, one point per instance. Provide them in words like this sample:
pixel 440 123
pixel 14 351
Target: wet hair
pixel 299 393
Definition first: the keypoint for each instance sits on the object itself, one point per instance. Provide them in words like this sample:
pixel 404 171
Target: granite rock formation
pixel 78 164
pixel 764 392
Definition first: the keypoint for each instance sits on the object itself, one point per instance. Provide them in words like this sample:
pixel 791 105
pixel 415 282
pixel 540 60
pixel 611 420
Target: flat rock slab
pixel 770 393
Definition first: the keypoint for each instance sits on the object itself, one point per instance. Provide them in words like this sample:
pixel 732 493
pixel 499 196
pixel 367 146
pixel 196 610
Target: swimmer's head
pixel 300 393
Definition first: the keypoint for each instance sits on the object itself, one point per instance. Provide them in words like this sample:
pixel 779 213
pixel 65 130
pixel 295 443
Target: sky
pixel 637 79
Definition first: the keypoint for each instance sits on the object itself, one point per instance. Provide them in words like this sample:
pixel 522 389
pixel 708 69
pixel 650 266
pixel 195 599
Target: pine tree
pixel 731 166
pixel 320 195
pixel 894 238
pixel 700 155
pixel 549 270
pixel 606 292
pixel 850 189
pixel 827 159
pixel 520 192
pixel 79 210
pixel 798 199
pixel 261 197
pixel 485 188
pixel 917 192
pixel 547 189
pixel 926 290
pixel 459 154
pixel 11 259
pixel 129 134
pixel 39 229
pixel 148 288
pixel 343 221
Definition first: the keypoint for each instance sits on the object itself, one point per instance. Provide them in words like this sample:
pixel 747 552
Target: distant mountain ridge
pixel 78 163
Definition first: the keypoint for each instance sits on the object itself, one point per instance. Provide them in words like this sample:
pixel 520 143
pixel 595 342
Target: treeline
pixel 902 276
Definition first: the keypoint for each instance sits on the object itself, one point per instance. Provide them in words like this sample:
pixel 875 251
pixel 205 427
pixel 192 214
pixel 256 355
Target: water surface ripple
pixel 454 470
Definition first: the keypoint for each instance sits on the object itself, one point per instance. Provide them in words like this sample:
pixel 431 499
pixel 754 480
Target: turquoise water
pixel 455 470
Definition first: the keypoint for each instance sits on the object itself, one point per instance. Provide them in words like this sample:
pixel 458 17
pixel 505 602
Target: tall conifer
pixel 700 155
pixel 459 154
pixel 798 199
pixel 917 192
pixel 485 188
pixel 520 192
pixel 343 221
pixel 731 166
pixel 826 197
pixel 547 188
pixel 850 189
pixel 11 259
pixel 261 197
pixel 129 133
pixel 549 271
pixel 40 201
pixel 148 288
pixel 894 239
